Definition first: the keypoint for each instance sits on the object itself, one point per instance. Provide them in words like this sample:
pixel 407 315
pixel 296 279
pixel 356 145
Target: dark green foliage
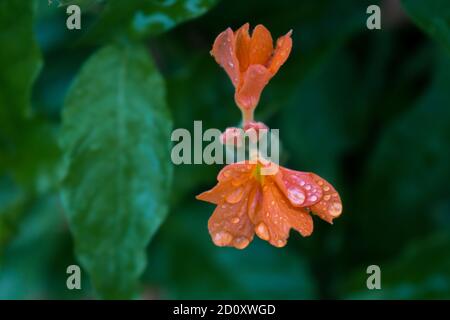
pixel 367 110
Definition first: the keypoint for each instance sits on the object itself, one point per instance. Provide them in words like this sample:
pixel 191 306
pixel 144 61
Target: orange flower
pixel 268 205
pixel 250 62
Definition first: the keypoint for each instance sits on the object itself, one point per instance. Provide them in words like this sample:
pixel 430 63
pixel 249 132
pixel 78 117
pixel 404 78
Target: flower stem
pixel 247 115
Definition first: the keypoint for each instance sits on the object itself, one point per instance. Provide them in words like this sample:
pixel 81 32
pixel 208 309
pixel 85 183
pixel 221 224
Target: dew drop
pixel 235 220
pixel 235 196
pixel 312 198
pixel 296 196
pixel 262 231
pixel 236 183
pixel 308 187
pixel 335 209
pixel 326 188
pixel 222 238
pixel 280 243
pixel 241 242
pixel 326 197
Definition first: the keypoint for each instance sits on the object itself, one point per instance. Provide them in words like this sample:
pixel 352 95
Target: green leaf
pixel 20 59
pixel 185 264
pixel 146 18
pixel 433 17
pixel 116 137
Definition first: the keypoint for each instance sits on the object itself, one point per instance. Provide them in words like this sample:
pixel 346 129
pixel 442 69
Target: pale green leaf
pixel 116 137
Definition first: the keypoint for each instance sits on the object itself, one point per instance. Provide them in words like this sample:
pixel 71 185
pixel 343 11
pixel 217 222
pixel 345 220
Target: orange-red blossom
pixel 268 205
pixel 249 202
pixel 250 62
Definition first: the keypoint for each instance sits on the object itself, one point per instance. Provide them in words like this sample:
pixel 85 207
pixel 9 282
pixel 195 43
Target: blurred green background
pixel 85 171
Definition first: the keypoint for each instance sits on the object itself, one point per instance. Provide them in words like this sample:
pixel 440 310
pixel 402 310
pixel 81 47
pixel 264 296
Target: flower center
pixel 257 173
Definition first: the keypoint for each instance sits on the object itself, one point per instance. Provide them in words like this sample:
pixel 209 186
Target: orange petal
pixel 232 180
pixel 299 187
pixel 243 47
pixel 237 172
pixel 254 202
pixel 224 52
pixel 217 194
pixel 330 205
pixel 282 51
pixel 255 79
pixel 261 45
pixel 230 225
pixel 276 217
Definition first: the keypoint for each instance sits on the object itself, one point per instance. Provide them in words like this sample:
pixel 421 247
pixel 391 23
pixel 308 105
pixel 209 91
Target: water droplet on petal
pixel 235 196
pixel 236 183
pixel 312 198
pixel 280 243
pixel 308 187
pixel 222 238
pixel 262 231
pixel 335 209
pixel 241 242
pixel 296 196
pixel 326 188
pixel 326 197
pixel 235 220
